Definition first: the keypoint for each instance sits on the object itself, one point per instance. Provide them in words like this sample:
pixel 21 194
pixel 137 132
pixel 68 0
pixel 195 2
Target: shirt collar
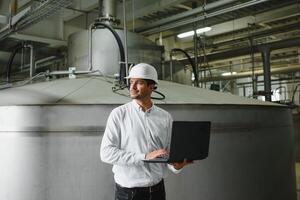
pixel 138 107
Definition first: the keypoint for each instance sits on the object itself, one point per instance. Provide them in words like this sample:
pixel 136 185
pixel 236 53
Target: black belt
pixel 156 187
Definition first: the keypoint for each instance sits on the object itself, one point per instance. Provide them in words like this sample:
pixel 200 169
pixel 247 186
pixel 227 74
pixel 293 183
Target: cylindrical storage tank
pixel 50 136
pixel 105 50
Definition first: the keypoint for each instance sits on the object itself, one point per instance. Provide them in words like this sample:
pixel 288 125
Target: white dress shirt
pixel 129 135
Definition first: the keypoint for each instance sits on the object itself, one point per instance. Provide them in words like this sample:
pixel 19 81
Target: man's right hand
pixel 156 153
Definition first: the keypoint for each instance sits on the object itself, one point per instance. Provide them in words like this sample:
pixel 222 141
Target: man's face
pixel 139 89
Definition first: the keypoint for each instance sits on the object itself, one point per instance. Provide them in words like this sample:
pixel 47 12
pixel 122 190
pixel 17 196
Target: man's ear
pixel 153 87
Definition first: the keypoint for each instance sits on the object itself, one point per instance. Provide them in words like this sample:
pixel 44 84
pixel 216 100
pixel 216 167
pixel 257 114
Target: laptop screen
pixel 190 140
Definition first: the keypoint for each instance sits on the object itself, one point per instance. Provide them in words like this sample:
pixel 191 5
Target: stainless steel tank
pixel 50 135
pixel 105 51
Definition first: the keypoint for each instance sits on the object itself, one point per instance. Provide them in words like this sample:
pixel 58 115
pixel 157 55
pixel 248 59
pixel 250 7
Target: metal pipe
pixel 196 60
pixel 43 60
pixel 32 59
pixel 22 59
pixel 100 8
pixel 125 40
pixel 280 80
pixel 267 73
pixel 37 62
pixel 90 38
pixel 185 14
pixel 197 19
pixel 171 66
pixel 246 50
pixel 240 40
pixel 13 7
pixel 257 72
pixel 68 72
pixel 109 8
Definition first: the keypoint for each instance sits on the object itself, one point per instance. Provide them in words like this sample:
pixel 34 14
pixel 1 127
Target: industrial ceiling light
pixel 228 73
pixel 191 33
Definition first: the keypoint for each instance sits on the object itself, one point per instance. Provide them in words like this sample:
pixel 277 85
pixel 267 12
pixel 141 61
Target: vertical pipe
pixel 109 8
pixel 194 5
pixel 125 39
pixel 254 77
pixel 196 54
pixel 267 72
pixel 163 63
pixel 13 7
pixel 32 58
pixel 100 8
pixel 171 67
pixel 90 37
pixel 22 59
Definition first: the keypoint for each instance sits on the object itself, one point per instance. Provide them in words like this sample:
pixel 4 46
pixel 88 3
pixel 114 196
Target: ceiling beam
pixel 183 22
pixel 140 8
pixel 183 15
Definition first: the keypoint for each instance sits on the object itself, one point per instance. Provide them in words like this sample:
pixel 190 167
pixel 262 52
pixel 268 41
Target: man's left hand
pixel 180 165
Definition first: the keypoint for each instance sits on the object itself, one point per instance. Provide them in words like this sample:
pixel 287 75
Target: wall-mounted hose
pixel 122 71
pixel 294 92
pixel 10 61
pixel 12 56
pixel 191 62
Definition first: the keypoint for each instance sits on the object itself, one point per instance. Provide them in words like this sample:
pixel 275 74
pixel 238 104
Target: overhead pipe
pixel 258 34
pixel 246 50
pixel 238 75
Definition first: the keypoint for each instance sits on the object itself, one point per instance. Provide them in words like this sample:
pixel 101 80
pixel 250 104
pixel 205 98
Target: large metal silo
pixel 105 51
pixel 50 135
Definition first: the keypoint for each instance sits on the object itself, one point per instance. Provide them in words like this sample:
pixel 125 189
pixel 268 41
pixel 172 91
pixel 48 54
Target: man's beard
pixel 135 95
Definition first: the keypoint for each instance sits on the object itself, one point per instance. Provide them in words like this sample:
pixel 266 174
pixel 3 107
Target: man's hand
pixel 156 153
pixel 179 166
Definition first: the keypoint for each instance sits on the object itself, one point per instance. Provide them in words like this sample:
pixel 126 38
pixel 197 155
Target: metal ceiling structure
pixel 238 26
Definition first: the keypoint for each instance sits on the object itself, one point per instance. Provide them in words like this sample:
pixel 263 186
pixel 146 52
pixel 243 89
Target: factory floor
pixel 298 179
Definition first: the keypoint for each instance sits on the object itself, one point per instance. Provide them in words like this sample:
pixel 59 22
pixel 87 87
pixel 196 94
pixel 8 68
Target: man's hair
pixel 150 82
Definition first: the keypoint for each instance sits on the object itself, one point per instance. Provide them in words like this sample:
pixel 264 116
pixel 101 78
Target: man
pixel 136 131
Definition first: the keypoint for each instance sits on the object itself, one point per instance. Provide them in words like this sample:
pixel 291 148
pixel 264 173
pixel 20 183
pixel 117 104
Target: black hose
pixel 10 61
pixel 121 49
pixel 294 92
pixel 191 62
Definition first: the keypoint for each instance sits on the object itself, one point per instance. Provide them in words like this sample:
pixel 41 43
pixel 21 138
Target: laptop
pixel 190 140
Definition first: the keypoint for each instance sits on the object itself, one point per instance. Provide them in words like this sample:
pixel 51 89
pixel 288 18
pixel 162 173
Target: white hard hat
pixel 143 71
